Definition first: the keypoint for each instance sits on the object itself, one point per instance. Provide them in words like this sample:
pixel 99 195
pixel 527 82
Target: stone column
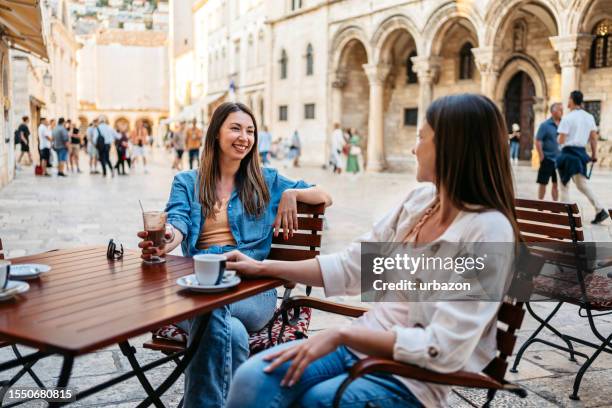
pixel 338 82
pixel 375 148
pixel 573 50
pixel 487 65
pixel 428 71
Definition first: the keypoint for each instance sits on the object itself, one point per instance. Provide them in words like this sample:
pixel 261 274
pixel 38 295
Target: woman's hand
pixel 243 264
pixel 303 354
pixel 148 250
pixel 287 215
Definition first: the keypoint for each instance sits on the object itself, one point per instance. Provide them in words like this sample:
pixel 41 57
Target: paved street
pixel 38 214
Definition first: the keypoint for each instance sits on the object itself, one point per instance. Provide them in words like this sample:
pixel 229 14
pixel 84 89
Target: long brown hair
pixel 472 155
pixel 250 184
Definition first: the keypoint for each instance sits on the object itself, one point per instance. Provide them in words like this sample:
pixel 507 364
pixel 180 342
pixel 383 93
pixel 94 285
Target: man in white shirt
pixel 44 144
pixel 576 129
pixel 336 148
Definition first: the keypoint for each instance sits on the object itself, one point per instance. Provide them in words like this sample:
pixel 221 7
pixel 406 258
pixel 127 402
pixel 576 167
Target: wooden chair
pixel 555 232
pixel 509 318
pixel 27 368
pixel 304 244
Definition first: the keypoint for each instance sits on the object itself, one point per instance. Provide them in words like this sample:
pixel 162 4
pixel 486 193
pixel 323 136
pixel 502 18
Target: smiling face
pixel 425 152
pixel 236 136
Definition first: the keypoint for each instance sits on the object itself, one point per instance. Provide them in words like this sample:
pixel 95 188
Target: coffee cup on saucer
pixel 5 268
pixel 210 269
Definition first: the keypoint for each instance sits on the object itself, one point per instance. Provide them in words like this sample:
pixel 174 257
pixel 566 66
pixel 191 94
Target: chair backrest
pixel 511 312
pixel 549 221
pixel 304 244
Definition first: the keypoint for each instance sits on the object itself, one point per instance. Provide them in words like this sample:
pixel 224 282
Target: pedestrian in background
pixel 515 143
pixel 352 162
pixel 60 145
pixel 547 146
pixel 23 135
pixel 336 159
pixel 264 145
pixel 108 136
pixel 139 138
pixel 92 151
pixel 44 145
pixel 296 148
pixel 122 145
pixel 75 148
pixel 178 143
pixel 576 129
pixel 52 153
pixel 194 142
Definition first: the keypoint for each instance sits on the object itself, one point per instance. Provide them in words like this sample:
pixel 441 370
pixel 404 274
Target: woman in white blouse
pixel 462 152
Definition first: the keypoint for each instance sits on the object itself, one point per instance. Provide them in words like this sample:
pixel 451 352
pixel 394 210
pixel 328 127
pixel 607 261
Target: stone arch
pixel 83 123
pixel 520 62
pixel 389 27
pixel 440 22
pixel 529 107
pixel 147 122
pixel 584 14
pixel 342 38
pixel 122 123
pixel 498 17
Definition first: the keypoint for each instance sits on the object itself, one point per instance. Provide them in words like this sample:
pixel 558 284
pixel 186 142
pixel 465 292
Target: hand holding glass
pixel 156 232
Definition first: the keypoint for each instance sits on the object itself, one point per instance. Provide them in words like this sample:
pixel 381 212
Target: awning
pixel 22 21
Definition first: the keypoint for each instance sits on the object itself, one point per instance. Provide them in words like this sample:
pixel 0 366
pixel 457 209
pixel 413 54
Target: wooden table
pixel 87 302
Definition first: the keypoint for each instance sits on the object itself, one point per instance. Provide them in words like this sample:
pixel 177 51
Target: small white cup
pixel 210 268
pixel 5 268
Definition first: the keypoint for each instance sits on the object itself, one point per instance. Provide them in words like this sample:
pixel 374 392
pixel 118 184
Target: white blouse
pixel 440 336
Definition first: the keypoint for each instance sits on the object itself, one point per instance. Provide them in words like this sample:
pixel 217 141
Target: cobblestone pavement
pixel 38 214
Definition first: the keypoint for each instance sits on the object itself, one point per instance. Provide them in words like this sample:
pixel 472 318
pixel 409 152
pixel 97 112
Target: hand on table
pixel 244 265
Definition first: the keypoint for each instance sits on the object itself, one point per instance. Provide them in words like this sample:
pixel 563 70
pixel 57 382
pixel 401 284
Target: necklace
pixel 415 231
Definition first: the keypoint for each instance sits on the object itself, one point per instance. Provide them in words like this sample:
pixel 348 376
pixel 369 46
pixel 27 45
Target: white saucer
pixel 13 288
pixel 28 271
pixel 190 282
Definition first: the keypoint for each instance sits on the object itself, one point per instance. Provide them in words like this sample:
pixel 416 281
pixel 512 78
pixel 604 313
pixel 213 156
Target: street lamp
pixel 47 79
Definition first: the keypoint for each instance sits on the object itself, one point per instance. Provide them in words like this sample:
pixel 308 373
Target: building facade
pixel 22 28
pixel 376 66
pixel 123 75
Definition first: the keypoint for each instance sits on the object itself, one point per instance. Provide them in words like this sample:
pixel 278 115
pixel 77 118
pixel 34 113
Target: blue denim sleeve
pixel 282 183
pixel 178 207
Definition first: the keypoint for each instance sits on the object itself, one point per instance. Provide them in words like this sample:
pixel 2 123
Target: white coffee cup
pixel 210 268
pixel 5 268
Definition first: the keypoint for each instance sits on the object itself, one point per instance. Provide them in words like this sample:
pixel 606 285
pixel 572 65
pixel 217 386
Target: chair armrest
pixel 458 378
pixel 324 305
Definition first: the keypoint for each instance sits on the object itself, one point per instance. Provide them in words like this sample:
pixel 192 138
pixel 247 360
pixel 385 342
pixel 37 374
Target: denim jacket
pixel 253 235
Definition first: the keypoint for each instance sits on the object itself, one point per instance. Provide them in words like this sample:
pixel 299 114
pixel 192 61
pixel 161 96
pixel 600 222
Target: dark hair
pixel 60 121
pixel 472 157
pixel 25 118
pixel 250 183
pixel 577 97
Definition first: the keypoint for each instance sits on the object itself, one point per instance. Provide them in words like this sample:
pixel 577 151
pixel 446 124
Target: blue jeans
pixel 223 347
pixel 514 150
pixel 252 387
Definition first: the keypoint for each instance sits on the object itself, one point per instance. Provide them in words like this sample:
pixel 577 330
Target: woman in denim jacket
pixel 230 203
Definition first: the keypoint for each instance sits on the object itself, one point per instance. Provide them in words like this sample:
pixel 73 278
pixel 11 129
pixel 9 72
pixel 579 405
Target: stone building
pixel 376 66
pixel 21 28
pixel 230 47
pixel 124 76
pixel 47 88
